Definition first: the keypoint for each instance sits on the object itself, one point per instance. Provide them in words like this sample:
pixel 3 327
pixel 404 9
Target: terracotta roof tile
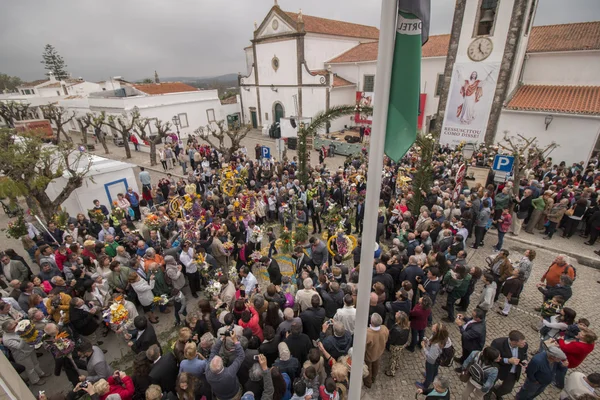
pixel 52 85
pixel 554 98
pixel 338 28
pixel 164 88
pixel 437 46
pixel 362 52
pixel 229 100
pixel 565 37
pixel 319 72
pixel 340 82
pixel 34 83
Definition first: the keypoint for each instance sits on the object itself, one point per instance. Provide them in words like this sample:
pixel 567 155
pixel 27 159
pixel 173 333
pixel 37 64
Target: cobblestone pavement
pixel 585 297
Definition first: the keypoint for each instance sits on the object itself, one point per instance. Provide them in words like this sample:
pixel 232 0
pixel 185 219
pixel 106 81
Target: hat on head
pixel 89 243
pixel 556 352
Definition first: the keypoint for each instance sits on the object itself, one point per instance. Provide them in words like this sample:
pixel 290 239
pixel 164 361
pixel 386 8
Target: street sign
pixel 266 152
pixel 503 163
pixel 500 176
pixel 279 147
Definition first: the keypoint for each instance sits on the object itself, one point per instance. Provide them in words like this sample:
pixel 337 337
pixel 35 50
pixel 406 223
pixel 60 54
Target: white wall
pixel 248 101
pixel 269 97
pixel 354 72
pixel 84 88
pixel 430 68
pixel 285 51
pixel 320 48
pixel 49 92
pixel 522 48
pixel 313 100
pixel 576 136
pixel 342 96
pixel 249 61
pixel 565 68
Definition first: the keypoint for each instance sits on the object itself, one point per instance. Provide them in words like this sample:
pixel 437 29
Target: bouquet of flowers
pixel 287 243
pixel 96 216
pixel 118 314
pixel 61 219
pixel 257 235
pixel 200 259
pixel 228 246
pixel 63 346
pixel 117 213
pixel 28 333
pixel 233 274
pixel 152 222
pixel 256 256
pixel 301 234
pixel 214 288
pixel 17 229
pixel 161 300
pixel 204 269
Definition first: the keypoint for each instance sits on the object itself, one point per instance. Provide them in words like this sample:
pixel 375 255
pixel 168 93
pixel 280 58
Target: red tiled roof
pixel 52 85
pixel 337 28
pixel 565 37
pixel 340 82
pixel 229 100
pixel 164 88
pixel 319 72
pixel 551 98
pixel 436 46
pixel 362 52
pixel 34 83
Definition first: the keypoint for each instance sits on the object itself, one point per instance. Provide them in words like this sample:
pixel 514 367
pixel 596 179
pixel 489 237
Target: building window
pixel 369 83
pixel 183 121
pixel 210 114
pixel 439 85
pixel 530 17
pixel 486 18
pixel 152 126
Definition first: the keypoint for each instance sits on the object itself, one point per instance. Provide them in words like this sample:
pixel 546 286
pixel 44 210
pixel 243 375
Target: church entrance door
pixel 278 111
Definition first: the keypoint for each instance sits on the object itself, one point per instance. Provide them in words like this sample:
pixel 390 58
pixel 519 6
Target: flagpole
pixel 387 34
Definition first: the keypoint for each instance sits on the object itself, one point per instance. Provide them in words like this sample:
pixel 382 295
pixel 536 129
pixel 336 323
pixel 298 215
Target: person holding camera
pixel 223 380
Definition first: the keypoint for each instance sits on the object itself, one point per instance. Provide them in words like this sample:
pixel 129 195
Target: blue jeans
pixel 530 390
pixel 500 240
pixel 431 371
pixel 416 336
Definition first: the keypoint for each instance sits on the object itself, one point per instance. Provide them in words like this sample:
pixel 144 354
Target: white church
pixel 300 65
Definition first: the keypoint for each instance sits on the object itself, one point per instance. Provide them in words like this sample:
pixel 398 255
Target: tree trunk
pixel 152 152
pixel 84 137
pixel 67 136
pixel 102 140
pixel 126 144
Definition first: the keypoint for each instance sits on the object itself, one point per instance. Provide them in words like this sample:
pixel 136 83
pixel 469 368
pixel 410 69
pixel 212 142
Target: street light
pixel 176 122
pixel 468 150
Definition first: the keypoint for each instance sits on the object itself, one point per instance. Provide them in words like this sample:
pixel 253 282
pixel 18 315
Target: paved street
pixel 586 295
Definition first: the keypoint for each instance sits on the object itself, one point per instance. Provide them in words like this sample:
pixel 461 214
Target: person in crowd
pixel 578 385
pixel 398 339
pixel 433 349
pixel 485 363
pixel 513 357
pixel 377 336
pixel 472 332
pixel 541 371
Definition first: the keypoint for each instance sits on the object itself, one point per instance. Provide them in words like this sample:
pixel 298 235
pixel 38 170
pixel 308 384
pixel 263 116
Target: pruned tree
pixel 143 129
pixel 9 83
pixel 12 111
pixel 54 63
pixel 59 116
pixel 526 152
pixel 218 131
pixel 83 128
pixel 29 166
pixel 96 121
pixel 125 124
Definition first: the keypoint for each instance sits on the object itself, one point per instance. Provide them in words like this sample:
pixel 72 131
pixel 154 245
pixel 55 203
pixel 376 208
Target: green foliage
pixel 9 83
pixel 16 229
pixel 423 178
pixel 301 234
pixel 146 81
pixel 53 62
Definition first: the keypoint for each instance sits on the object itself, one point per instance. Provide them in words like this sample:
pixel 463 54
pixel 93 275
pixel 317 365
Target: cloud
pixel 133 38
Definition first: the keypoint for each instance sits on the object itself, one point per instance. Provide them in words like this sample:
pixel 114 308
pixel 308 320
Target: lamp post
pixel 468 150
pixel 176 122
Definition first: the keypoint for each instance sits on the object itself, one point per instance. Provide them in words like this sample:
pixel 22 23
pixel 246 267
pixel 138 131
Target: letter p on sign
pixel 503 163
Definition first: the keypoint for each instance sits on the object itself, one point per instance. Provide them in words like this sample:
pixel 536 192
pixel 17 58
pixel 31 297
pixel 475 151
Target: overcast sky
pixel 132 38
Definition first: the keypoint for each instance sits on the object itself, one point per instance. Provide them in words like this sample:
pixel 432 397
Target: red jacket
pixel 575 351
pixel 253 324
pixel 126 392
pixel 418 317
pixel 60 259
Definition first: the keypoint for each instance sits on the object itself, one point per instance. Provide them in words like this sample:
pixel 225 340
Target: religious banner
pixel 469 102
pixel 363 99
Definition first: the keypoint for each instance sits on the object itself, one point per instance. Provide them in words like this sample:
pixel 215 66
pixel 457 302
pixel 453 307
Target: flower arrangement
pixel 16 229
pixel 228 246
pixel 233 274
pixel 28 333
pixel 61 219
pixel 257 235
pixel 301 234
pixel 204 269
pixel 117 213
pixel 286 240
pixel 255 256
pixel 118 314
pixel 152 222
pixel 200 260
pixel 63 346
pixel 96 216
pixel 161 300
pixel 214 287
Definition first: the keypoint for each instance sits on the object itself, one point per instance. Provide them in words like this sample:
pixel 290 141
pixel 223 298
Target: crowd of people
pixel 290 336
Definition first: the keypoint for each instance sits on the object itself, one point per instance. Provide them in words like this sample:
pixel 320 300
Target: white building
pixel 553 86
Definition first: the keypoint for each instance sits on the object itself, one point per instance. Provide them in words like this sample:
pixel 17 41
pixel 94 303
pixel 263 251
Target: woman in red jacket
pixel 418 321
pixel 118 383
pixel 250 320
pixel 576 351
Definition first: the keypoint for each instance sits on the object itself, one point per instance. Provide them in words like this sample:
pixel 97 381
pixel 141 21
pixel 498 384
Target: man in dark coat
pixel 360 215
pixel 164 368
pixel 83 319
pixel 333 298
pixel 411 272
pixel 513 350
pixel 298 343
pixel 145 336
pixel 313 318
pixel 472 332
pixel 272 269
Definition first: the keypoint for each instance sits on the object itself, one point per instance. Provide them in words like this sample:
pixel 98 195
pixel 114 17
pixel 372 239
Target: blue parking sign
pixel 503 163
pixel 266 152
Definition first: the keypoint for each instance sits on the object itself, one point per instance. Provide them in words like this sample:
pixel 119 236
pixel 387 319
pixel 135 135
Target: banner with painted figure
pixel 469 103
pixel 363 99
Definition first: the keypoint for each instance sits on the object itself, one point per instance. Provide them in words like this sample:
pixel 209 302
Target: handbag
pixel 465 376
pixel 514 301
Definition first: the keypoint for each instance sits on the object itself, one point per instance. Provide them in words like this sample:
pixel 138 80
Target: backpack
pixel 477 371
pixel 566 271
pixel 289 300
pixel 446 357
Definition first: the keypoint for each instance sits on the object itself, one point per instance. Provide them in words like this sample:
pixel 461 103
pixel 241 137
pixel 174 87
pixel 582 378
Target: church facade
pixel 494 73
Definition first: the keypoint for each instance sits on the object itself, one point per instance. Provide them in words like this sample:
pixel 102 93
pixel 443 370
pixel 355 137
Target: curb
pixel 581 259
